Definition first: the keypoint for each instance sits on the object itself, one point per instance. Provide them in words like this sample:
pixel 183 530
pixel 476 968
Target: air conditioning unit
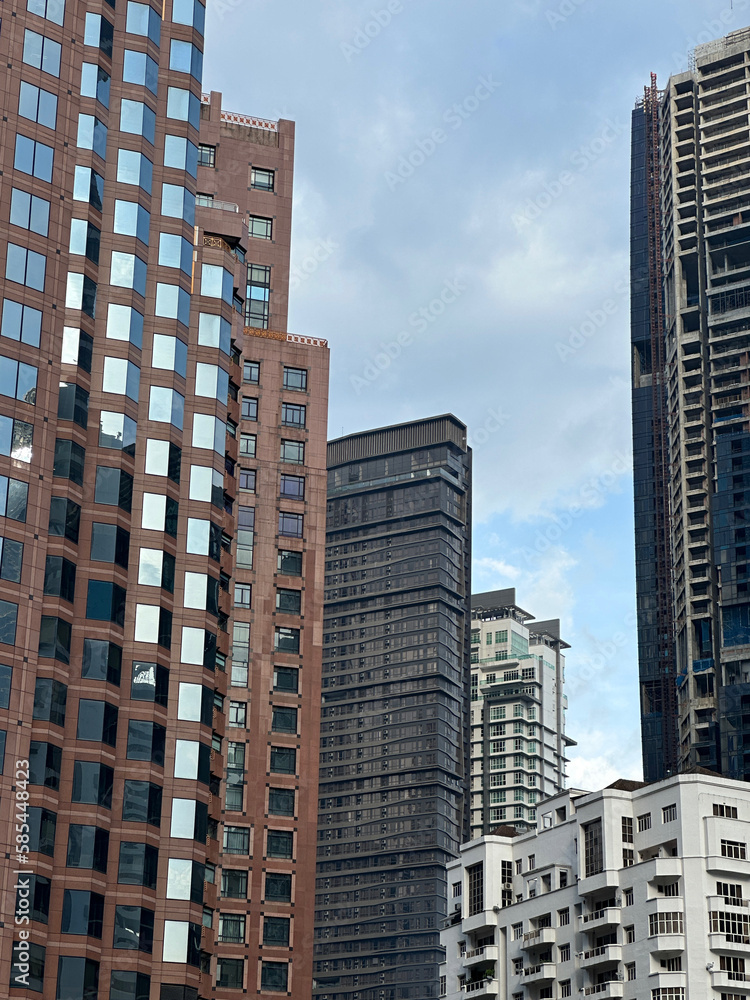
pixel 507 885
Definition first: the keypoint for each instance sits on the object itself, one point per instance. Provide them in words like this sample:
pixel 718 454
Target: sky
pixel 460 238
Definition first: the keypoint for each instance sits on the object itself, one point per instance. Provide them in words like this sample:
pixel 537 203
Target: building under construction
pixel 690 332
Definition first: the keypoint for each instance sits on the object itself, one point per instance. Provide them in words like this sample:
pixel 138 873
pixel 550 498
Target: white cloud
pixel 602 758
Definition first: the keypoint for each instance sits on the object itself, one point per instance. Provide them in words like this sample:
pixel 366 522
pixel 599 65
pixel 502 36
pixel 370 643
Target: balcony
pixel 488 953
pixel 608 917
pixel 482 988
pixel 607 879
pixel 598 956
pixel 544 973
pixel 668 945
pixel 734 982
pixel 542 936
pixel 485 919
pixel 720 902
pixel 729 944
pixel 605 990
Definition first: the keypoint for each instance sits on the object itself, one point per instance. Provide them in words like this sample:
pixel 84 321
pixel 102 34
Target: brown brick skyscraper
pixel 161 506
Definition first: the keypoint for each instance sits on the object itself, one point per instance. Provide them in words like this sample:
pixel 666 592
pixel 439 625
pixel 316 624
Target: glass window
pixel 92 134
pixel 130 986
pixel 29 211
pixel 105 602
pixel 81 293
pixel 38 897
pixel 214 331
pixel 288 601
pixel 278 887
pixel 131 219
pixel 211 381
pixel 261 180
pixel 156 569
pixel 98 31
pixel 169 353
pixel 88 847
pixel 82 913
pixel 293 451
pixel 26 267
pixel 189 12
pixel 42 829
pixel 146 741
pixel 95 83
pixel 17 380
pixel 166 406
pixel 134 168
pixel 184 57
pixel 249 408
pixel 291 525
pixel 259 227
pixel 54 637
pixel 117 431
pixel 37 104
pixel 247 480
pixel 125 322
pixel 88 186
pixel 283 760
pixel 163 459
pixel 172 302
pixel 52 10
pixel 6 676
pixel 45 761
pixel 289 563
pixel 110 543
pixel 206 484
pixel 137 864
pixel 121 377
pixel 33 158
pixel 143 20
pixel 206 155
pixel 209 432
pixel 102 660
pixel 274 977
pixel 134 929
pixel 279 844
pixel 183 106
pixel 284 720
pixel 85 239
pixel 50 699
pixel 113 487
pixel 295 378
pixel 236 840
pixel 175 251
pixel 292 487
pixel 276 931
pixel 293 415
pixel 69 461
pixel 77 348
pixel 234 883
pixel 92 783
pixel 141 803
pixel 160 513
pixel 59 577
pixel 181 942
pixel 281 801
pixel 73 404
pixel 181 153
pixel 178 203
pixel 217 282
pixel 97 720
pixel 140 69
pixel 127 270
pixel 137 118
pixel 286 679
pixel 21 322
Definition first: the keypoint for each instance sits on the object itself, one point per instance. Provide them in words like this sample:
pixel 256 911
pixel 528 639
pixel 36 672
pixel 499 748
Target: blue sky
pixel 461 239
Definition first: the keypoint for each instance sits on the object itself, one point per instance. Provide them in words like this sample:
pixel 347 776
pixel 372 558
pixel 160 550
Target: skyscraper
pixel 161 490
pixel 690 333
pixel 394 733
pixel 518 741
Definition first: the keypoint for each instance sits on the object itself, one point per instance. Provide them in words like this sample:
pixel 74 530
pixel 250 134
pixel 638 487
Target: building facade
pixel 162 483
pixel 394 727
pixel 637 891
pixel 518 741
pixel 691 282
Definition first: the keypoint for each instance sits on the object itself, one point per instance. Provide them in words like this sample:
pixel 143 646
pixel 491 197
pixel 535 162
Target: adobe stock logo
pixel 371 29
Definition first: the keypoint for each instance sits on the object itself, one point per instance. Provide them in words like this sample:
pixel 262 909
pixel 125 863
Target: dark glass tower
pixel 394 731
pixel 656 661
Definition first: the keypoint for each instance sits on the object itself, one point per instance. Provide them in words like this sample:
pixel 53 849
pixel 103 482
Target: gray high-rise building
pixel 394 731
pixel 690 256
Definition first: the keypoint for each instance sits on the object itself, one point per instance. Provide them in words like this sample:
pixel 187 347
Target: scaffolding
pixel 666 682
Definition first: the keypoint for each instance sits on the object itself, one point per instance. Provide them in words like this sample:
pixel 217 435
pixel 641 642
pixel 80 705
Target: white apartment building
pixel 637 891
pixel 518 739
